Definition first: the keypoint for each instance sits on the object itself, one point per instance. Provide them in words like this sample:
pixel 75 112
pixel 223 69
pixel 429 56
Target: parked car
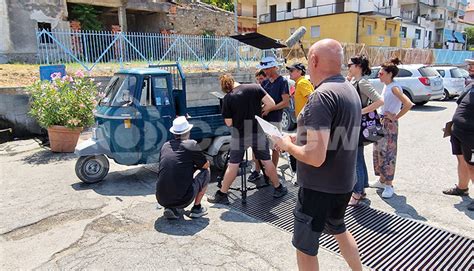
pixel 419 82
pixel 453 81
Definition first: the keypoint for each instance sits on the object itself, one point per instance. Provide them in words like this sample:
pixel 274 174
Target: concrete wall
pixel 14 105
pixel 22 17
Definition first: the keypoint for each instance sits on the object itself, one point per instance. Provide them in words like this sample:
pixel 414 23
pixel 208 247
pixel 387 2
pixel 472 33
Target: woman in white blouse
pixel 396 105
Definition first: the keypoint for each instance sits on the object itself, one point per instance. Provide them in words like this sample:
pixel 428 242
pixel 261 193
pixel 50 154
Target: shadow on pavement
pixel 46 156
pixel 428 108
pixel 462 206
pixel 402 208
pixel 230 216
pixel 181 227
pixel 130 182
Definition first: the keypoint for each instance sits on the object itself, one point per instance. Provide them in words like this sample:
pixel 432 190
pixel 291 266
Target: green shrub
pixel 66 101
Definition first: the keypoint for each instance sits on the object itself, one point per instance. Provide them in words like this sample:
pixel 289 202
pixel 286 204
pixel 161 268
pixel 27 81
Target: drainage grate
pixel 385 241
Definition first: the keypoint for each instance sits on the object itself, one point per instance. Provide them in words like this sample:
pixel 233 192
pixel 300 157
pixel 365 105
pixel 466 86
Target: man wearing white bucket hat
pixel 183 173
pixel 462 140
pixel 277 87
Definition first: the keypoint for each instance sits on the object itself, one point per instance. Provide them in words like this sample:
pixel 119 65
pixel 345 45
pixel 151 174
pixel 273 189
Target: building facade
pixel 395 23
pixel 19 20
pixel 247 16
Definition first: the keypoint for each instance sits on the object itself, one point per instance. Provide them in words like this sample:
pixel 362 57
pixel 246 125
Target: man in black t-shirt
pixel 462 140
pixel 183 173
pixel 240 106
pixel 326 149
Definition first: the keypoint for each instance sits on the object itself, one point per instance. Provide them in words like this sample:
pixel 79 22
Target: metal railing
pixel 90 48
pixel 304 12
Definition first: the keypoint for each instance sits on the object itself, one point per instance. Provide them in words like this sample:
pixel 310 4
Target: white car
pixel 420 83
pixel 453 81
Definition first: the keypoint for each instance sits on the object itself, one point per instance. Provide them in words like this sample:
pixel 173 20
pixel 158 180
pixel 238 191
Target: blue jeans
pixel 362 177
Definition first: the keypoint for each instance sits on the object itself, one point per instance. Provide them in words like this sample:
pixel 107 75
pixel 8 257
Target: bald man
pixel 326 147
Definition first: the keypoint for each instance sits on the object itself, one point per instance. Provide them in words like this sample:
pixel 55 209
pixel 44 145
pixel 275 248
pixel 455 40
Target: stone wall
pixel 14 102
pixel 196 18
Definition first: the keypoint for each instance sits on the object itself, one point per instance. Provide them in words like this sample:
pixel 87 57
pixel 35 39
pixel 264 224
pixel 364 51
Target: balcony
pixel 407 2
pixel 431 3
pixel 302 13
pixel 463 2
pixel 283 15
pixel 439 24
pixel 407 15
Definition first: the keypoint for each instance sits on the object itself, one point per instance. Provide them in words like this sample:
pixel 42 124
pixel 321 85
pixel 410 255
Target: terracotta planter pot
pixel 62 139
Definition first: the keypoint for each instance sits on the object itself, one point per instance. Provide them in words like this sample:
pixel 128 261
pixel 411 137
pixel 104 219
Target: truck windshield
pixel 120 91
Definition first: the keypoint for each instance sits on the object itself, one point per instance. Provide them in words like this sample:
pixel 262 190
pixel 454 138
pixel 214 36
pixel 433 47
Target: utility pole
pixel 357 23
pixel 236 29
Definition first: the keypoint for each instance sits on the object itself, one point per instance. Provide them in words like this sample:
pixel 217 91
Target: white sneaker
pixel 377 184
pixel 388 192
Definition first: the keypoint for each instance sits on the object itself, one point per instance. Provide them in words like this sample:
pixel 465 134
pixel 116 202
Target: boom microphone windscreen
pixel 295 37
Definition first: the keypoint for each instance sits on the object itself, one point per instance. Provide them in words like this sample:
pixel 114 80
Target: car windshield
pixel 456 73
pixel 464 73
pixel 428 71
pixel 120 91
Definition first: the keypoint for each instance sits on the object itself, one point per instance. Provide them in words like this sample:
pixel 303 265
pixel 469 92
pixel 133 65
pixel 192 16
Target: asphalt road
pixel 50 220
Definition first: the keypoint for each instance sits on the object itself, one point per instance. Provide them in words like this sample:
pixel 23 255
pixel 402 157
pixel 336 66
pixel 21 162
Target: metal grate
pixel 385 241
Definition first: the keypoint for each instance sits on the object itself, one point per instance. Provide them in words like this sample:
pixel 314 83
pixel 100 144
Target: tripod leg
pixel 221 176
pixel 243 178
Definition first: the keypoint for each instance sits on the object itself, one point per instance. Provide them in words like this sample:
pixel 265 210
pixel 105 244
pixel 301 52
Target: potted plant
pixel 64 107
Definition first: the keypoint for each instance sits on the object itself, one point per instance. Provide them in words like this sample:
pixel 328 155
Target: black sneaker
pixel 171 213
pixel 198 212
pixel 219 197
pixel 280 191
pixel 456 191
pixel 254 176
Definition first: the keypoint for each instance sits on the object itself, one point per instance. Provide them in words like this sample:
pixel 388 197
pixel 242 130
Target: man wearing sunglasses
pixel 277 87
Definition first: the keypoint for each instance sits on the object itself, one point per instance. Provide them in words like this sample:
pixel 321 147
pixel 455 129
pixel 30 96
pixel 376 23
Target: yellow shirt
pixel 303 88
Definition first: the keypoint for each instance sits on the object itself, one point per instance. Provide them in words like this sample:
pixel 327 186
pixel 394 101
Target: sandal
pixel 354 201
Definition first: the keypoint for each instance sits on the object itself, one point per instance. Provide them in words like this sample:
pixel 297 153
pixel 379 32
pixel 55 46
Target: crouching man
pixel 183 173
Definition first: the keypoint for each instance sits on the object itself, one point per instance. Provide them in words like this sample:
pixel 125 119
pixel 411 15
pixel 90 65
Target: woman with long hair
pixel 359 67
pixel 396 105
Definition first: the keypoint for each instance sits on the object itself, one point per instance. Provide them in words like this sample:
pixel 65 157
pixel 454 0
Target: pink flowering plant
pixel 65 100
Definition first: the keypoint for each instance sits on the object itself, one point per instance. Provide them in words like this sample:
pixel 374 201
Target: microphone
pixel 295 37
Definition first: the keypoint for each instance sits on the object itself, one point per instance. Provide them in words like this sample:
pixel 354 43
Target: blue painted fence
pixel 90 48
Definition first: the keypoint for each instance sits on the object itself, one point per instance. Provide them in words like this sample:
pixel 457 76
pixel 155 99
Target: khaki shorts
pixel 278 125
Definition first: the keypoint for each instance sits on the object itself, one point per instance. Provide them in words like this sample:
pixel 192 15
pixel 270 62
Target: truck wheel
pixel 219 160
pixel 92 169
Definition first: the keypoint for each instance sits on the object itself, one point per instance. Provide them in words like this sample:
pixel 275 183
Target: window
pixel 389 32
pixel 417 34
pixel 239 9
pixel 288 7
pixel 273 13
pixel 302 3
pixel 315 31
pixel 456 73
pixel 121 91
pixel 161 91
pixel 404 73
pixel 45 38
pixel 369 30
pixel 441 72
pixel 428 71
pixel 315 3
pixel 146 98
pixel 403 32
pixel 374 74
pixel 254 14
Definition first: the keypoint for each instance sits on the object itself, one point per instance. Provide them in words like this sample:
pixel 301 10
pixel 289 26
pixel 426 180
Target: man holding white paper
pixel 240 106
pixel 326 149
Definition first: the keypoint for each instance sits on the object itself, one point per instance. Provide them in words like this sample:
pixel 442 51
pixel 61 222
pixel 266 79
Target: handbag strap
pixel 360 96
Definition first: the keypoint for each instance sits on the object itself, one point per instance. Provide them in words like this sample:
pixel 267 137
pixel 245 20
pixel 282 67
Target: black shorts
pixel 259 144
pixel 464 148
pixel 315 213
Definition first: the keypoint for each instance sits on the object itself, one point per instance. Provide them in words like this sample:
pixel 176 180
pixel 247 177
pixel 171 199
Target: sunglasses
pixel 350 65
pixel 265 63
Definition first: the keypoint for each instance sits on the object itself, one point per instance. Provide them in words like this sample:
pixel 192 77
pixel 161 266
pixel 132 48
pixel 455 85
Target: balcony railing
pixel 384 10
pixel 428 2
pixel 303 13
pixel 407 2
